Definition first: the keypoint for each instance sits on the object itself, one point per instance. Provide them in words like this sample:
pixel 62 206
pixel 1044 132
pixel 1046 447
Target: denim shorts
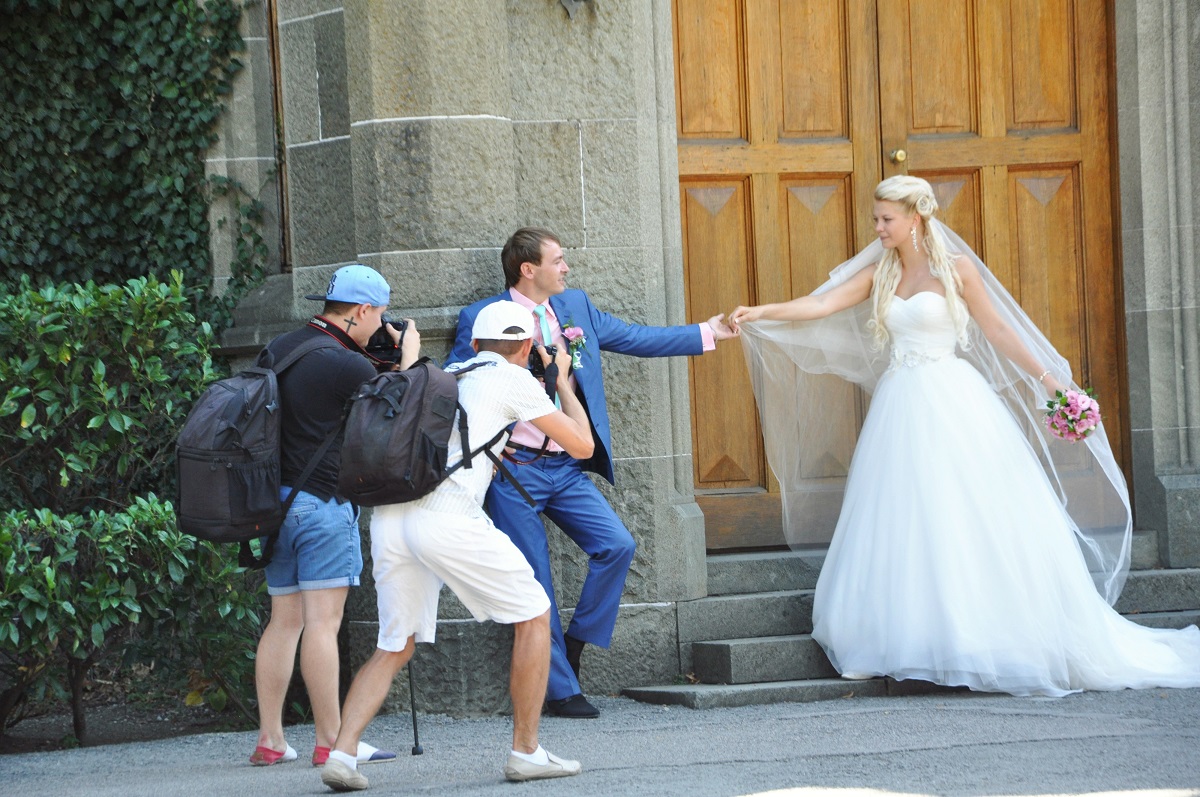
pixel 318 546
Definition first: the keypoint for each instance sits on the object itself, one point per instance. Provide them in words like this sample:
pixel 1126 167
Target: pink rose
pixel 572 333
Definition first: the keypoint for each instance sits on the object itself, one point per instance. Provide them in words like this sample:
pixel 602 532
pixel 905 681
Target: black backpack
pixel 397 433
pixel 227 459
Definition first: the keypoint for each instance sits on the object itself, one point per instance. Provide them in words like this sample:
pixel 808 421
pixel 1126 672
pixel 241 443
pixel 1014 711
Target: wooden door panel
pixel 939 83
pixel 710 65
pixel 1039 156
pixel 1042 59
pixel 820 233
pixel 802 156
pixel 957 194
pixel 1045 238
pixel 812 36
pixel 716 215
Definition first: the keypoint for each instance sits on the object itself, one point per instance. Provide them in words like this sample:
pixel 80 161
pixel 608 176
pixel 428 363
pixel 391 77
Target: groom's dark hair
pixel 525 246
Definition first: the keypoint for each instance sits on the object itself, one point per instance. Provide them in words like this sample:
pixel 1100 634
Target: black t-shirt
pixel 314 392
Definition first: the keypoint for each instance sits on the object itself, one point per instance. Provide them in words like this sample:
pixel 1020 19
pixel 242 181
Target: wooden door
pixel 778 148
pixel 789 113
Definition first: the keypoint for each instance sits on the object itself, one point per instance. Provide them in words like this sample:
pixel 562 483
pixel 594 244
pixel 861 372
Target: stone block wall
pixel 1158 108
pixel 417 137
pixel 245 149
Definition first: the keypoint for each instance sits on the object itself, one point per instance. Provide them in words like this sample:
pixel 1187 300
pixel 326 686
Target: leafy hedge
pixel 107 108
pixel 96 380
pixel 77 588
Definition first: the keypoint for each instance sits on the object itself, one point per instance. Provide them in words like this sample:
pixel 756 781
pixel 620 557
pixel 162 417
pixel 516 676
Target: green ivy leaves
pixel 108 109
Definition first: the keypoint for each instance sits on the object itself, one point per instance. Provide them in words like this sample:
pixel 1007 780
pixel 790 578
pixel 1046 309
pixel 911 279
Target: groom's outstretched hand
pixel 721 330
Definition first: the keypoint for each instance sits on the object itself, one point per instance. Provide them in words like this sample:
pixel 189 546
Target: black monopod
pixel 412 701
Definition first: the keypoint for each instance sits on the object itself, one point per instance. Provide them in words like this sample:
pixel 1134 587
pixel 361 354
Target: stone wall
pixel 1158 108
pixel 417 136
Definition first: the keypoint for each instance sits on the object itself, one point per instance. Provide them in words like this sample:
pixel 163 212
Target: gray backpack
pixel 398 431
pixel 227 459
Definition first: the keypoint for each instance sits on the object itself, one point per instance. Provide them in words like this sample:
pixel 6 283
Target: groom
pixel 535 274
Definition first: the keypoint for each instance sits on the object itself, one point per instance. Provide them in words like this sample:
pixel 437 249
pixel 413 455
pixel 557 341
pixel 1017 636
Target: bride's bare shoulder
pixel 965 268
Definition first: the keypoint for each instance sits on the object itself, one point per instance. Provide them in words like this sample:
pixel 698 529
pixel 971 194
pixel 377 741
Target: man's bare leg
pixel 368 690
pixel 319 658
pixel 273 667
pixel 527 681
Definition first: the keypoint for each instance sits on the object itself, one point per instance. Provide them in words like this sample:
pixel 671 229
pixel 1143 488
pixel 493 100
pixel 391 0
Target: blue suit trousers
pixel 568 497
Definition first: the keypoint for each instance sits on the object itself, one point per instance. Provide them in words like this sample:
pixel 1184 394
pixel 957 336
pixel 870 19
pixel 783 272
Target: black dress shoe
pixel 573 707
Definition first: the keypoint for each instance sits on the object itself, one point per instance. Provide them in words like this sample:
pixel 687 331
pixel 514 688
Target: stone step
pixel 793 657
pixel 741 616
pixel 797 657
pixel 775 571
pixel 1160 591
pixel 702 696
pixel 746 658
pixel 1166 619
pixel 771 571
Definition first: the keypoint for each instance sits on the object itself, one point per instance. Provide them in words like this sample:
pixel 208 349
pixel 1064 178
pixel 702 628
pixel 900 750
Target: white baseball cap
pixel 503 320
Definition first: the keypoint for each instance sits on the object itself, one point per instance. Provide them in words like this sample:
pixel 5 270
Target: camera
pixel 381 344
pixel 535 360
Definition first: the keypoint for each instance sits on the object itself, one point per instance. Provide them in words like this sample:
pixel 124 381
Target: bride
pixel 971 548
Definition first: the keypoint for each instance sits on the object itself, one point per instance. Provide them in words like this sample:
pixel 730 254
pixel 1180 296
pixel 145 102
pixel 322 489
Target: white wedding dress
pixel 953 560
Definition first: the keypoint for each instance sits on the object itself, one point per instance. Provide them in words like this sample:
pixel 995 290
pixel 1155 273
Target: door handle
pixel 898 156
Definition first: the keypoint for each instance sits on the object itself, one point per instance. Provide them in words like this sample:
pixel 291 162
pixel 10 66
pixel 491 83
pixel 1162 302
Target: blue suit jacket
pixel 603 332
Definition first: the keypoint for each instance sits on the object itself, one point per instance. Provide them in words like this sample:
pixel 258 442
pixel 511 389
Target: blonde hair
pixel 915 196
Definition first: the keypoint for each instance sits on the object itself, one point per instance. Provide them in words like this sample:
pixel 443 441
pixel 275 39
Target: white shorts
pixel 415 551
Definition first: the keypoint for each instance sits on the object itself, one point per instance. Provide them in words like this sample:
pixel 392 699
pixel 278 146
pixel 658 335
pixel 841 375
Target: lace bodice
pixel 921 329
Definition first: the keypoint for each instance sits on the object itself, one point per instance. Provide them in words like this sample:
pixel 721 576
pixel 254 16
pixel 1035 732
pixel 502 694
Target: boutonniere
pixel 576 340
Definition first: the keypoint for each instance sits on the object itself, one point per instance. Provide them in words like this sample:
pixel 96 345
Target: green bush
pixel 97 380
pixel 77 588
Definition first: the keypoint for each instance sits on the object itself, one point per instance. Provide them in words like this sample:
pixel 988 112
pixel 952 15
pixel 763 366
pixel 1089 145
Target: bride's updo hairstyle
pixel 915 196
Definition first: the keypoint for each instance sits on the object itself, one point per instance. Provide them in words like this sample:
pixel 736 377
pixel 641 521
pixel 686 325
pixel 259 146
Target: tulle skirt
pixel 953 561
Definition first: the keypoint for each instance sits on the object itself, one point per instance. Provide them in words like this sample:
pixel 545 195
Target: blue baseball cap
pixel 356 284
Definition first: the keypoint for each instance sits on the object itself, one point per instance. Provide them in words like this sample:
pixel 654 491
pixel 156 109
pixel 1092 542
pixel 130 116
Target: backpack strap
pixel 246 557
pixel 486 448
pixel 463 433
pixel 323 342
pixel 507 474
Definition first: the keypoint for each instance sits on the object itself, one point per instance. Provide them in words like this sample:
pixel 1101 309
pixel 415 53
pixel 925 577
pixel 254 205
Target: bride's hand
pixel 742 314
pixel 1053 386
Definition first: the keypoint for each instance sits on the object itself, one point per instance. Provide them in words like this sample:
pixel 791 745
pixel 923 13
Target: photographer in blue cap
pixel 318 557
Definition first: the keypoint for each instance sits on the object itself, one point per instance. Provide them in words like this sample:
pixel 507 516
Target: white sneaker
pixel 340 777
pixel 519 769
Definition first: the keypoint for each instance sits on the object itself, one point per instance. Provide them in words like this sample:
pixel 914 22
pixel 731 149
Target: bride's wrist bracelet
pixel 1045 374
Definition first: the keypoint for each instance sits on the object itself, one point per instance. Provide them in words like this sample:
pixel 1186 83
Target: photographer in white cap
pixel 318 556
pixel 445 538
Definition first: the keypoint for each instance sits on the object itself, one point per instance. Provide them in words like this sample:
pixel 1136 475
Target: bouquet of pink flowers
pixel 1072 415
